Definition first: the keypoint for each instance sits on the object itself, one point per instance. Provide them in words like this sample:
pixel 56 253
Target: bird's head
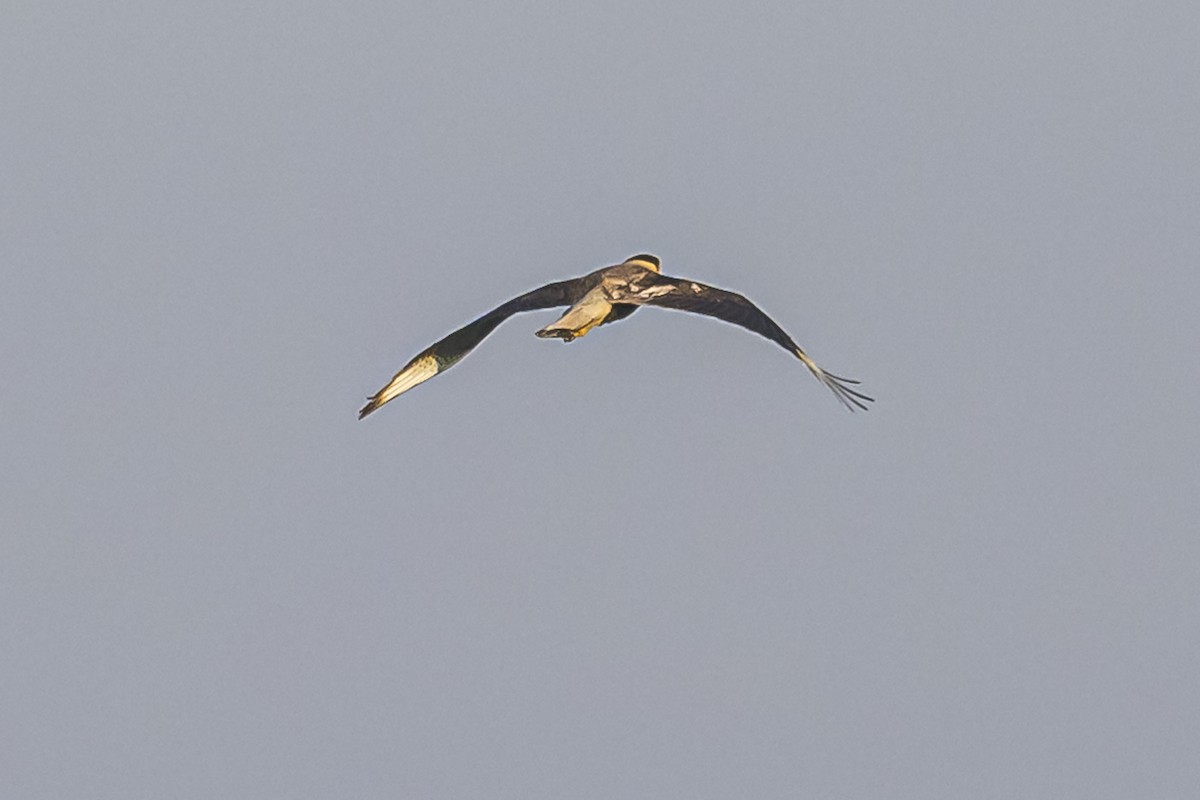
pixel 644 260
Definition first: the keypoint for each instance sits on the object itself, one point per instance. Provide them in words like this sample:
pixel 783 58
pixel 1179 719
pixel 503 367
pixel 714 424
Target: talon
pixel 555 333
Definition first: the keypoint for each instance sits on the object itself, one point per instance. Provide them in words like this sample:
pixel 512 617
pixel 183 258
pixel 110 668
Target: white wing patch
pixel 655 291
pixel 696 288
pixel 420 370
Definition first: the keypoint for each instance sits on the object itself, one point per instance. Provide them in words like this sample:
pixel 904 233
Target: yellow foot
pixel 556 333
pixel 566 334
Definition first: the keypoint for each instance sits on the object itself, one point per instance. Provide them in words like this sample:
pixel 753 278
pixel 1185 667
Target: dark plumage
pixel 608 295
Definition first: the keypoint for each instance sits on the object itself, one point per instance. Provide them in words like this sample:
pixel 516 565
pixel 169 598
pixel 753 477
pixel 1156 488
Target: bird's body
pixel 607 295
pixel 599 295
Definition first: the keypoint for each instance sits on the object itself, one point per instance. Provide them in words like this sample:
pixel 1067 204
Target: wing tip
pixel 851 399
pixel 368 408
pixel 419 370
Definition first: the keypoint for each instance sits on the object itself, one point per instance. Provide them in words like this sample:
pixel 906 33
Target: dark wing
pixel 444 354
pixel 699 298
pixel 619 312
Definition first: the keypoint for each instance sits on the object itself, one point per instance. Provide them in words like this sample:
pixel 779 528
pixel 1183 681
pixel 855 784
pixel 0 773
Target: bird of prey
pixel 608 295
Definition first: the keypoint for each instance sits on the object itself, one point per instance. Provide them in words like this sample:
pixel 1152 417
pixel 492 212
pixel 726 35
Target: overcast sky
pixel 661 561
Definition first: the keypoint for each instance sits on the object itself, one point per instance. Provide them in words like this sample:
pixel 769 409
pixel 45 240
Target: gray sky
pixel 661 561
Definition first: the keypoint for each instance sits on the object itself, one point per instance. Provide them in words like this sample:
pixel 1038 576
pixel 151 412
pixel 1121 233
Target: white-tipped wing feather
pixel 447 352
pixel 419 370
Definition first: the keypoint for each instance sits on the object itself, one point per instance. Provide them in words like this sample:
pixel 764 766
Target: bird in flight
pixel 598 298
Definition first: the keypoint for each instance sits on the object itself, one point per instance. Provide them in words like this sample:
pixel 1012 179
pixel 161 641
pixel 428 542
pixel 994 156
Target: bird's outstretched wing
pixel 699 298
pixel 444 354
